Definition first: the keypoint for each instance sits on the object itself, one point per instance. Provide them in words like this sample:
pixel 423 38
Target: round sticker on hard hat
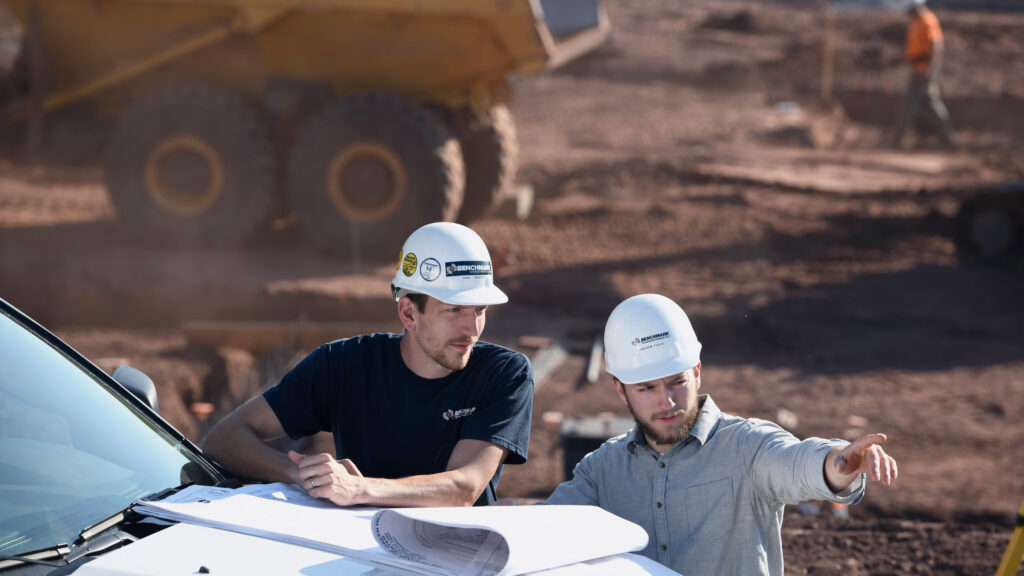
pixel 409 264
pixel 430 269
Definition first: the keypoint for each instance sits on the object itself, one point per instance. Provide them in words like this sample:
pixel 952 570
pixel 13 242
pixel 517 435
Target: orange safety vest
pixel 923 34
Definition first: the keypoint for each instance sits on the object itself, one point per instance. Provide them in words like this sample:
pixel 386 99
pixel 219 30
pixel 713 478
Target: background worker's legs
pixel 915 93
pixel 939 112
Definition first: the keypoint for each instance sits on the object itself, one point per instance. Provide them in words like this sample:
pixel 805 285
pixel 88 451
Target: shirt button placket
pixel 661 532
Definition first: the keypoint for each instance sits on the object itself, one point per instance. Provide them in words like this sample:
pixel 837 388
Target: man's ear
pixel 696 374
pixel 620 390
pixel 407 312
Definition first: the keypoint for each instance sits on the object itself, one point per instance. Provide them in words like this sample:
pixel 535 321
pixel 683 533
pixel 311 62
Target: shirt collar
pixel 707 420
pixel 636 440
pixel 703 428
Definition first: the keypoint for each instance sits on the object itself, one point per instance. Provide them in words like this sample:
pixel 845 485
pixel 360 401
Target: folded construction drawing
pixel 491 540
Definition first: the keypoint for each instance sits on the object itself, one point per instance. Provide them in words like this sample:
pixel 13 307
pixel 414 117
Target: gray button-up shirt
pixel 713 503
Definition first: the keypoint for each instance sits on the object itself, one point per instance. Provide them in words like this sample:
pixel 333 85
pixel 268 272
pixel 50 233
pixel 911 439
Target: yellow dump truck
pixel 364 118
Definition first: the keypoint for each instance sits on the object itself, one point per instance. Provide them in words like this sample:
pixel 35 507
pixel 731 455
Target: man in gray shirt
pixel 708 487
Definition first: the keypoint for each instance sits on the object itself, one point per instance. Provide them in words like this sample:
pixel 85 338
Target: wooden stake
pixel 1015 550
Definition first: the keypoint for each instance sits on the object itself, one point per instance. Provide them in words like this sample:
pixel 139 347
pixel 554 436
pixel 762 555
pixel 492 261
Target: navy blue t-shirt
pixel 392 423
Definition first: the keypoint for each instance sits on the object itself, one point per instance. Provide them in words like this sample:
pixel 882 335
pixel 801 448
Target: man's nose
pixel 665 399
pixel 472 323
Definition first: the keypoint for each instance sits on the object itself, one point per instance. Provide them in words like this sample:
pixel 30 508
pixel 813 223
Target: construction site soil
pixel 690 156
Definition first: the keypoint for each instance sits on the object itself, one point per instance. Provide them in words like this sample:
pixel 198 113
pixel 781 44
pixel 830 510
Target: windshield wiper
pixel 92 539
pixel 101 536
pixel 92 530
pixel 27 557
pixel 65 556
pixel 156 496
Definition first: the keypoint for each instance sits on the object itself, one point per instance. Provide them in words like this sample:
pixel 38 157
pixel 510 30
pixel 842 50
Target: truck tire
pixel 192 165
pixel 490 151
pixel 367 170
pixel 990 225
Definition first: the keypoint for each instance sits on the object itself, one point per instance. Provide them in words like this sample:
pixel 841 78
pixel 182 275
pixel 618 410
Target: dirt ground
pixel 690 156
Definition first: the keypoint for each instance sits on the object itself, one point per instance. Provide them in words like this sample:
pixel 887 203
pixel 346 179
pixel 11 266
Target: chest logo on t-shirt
pixel 450 414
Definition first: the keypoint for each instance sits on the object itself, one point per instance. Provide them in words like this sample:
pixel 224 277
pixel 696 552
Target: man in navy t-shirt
pixel 423 418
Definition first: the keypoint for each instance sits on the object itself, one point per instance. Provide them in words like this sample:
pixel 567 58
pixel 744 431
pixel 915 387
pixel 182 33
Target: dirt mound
pixel 741 21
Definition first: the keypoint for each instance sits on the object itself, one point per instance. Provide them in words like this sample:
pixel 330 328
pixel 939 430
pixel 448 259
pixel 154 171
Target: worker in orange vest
pixel 924 52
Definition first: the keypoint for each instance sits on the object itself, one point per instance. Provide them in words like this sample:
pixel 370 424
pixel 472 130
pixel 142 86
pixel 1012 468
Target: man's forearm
pixel 450 488
pixel 470 467
pixel 245 455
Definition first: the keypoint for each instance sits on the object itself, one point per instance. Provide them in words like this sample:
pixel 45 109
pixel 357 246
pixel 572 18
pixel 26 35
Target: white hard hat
pixel 449 262
pixel 649 337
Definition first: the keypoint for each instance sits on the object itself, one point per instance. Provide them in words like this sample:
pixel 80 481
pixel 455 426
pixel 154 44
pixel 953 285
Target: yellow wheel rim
pixel 184 175
pixel 366 181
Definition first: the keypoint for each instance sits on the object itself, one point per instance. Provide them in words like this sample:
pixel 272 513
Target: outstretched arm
pixel 238 443
pixel 470 468
pixel 865 455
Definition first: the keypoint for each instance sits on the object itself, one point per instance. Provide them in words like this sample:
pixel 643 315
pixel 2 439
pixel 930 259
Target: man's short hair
pixel 420 300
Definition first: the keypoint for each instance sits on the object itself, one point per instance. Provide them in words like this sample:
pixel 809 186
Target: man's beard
pixel 437 354
pixel 457 364
pixel 671 437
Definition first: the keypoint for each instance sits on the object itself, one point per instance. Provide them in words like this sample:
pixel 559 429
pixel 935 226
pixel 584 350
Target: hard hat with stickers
pixel 449 262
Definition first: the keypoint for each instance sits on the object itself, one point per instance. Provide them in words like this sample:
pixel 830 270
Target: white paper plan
pixel 273 491
pixel 318 525
pixel 443 541
pixel 184 549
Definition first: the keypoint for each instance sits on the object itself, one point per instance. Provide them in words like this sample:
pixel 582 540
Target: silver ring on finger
pixel 312 482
